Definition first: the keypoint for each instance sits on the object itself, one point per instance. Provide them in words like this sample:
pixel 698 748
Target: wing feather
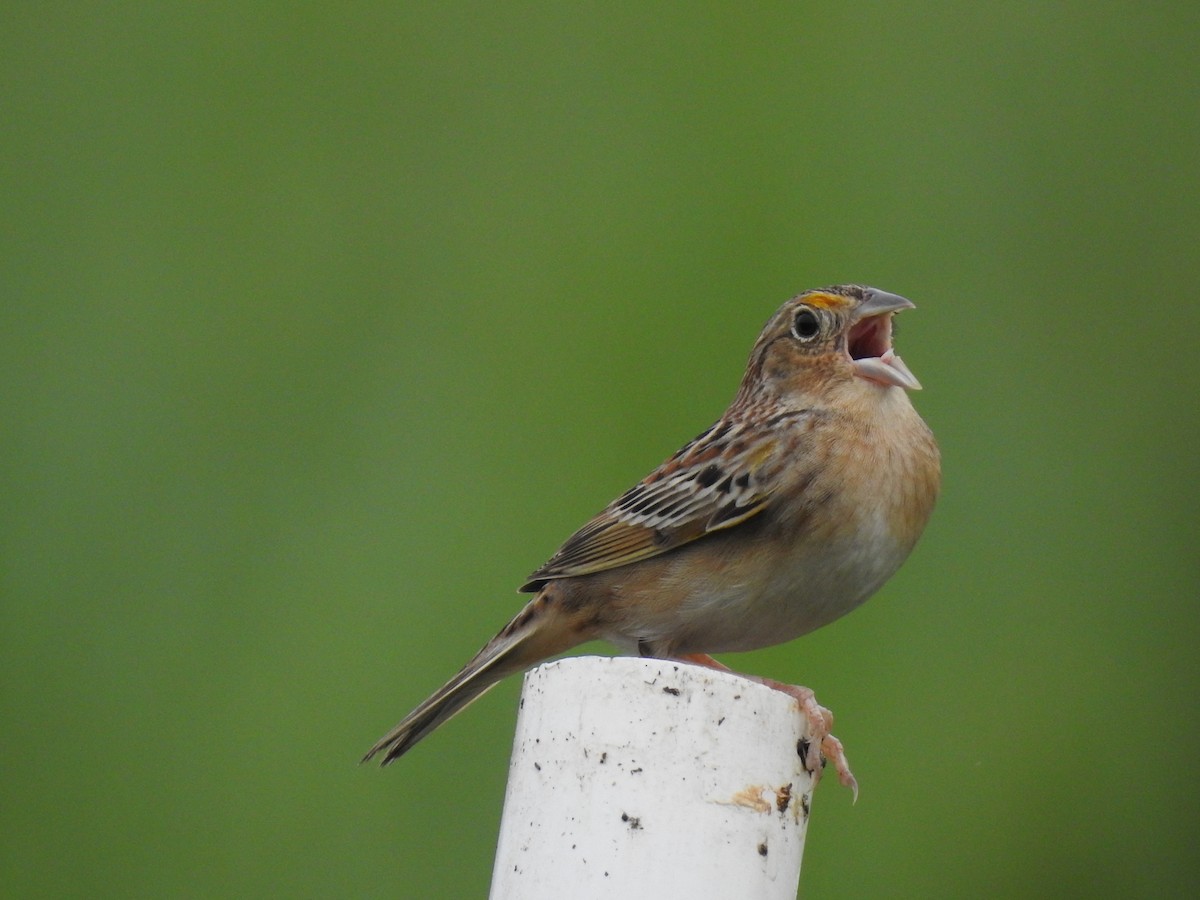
pixel 722 478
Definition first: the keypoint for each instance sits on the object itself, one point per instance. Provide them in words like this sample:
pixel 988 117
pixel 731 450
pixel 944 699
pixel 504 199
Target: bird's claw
pixel 821 746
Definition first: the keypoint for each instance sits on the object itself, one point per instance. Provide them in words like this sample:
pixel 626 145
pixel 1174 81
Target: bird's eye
pixel 806 325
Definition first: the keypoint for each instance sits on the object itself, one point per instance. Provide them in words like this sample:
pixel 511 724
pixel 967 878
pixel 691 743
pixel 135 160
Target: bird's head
pixel 834 335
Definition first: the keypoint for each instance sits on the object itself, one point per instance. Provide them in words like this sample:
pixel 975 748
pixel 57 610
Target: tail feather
pixel 518 646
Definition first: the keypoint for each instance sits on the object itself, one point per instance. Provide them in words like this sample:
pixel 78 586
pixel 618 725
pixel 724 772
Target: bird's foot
pixel 822 745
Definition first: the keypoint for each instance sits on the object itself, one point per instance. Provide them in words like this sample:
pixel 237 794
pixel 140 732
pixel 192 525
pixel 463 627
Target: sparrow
pixel 787 513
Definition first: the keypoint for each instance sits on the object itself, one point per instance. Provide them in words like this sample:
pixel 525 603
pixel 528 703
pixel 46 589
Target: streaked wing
pixel 723 477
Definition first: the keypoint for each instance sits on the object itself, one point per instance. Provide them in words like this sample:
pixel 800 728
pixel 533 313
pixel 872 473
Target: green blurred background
pixel 322 326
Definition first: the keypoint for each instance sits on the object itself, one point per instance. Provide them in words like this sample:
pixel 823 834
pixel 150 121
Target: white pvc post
pixel 650 778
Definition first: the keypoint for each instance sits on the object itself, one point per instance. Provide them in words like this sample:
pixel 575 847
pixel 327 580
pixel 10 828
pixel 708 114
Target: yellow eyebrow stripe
pixel 823 300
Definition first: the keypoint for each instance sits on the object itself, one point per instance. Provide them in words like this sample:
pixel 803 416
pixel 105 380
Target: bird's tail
pixel 529 638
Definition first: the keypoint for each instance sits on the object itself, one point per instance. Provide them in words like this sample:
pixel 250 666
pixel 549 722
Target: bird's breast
pixel 851 514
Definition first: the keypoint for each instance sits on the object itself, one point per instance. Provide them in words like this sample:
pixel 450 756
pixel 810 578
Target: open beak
pixel 870 341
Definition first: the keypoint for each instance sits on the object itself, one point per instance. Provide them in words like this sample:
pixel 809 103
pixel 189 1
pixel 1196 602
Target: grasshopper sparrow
pixel 790 511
